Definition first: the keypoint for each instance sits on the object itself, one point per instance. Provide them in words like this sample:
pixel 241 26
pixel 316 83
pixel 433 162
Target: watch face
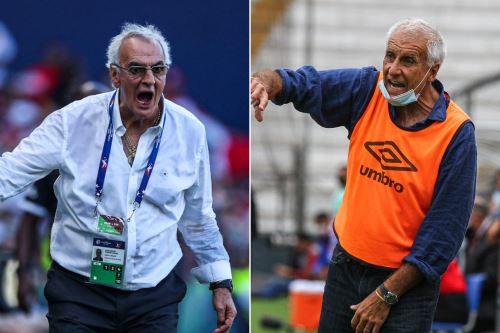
pixel 390 298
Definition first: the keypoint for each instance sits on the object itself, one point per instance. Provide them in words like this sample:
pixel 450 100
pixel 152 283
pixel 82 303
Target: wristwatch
pixel 389 297
pixel 222 284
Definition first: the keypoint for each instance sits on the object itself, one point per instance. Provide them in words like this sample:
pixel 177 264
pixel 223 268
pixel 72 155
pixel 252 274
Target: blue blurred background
pixel 209 42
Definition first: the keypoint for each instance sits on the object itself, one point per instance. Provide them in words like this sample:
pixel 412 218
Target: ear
pixel 433 72
pixel 115 77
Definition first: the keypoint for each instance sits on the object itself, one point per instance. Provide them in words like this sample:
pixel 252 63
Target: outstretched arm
pixel 34 157
pixel 332 98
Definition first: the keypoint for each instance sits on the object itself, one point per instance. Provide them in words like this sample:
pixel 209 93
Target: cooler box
pixel 305 303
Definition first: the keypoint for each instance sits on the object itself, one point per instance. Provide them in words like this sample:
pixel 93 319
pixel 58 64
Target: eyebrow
pixel 135 63
pixel 408 54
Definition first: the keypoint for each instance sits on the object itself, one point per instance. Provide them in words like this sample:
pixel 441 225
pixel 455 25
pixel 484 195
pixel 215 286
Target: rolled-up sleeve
pixel 443 229
pixel 199 227
pixel 34 158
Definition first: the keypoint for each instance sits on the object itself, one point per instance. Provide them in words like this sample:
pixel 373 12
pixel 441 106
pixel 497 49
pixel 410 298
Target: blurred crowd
pixel 478 256
pixel 54 80
pixel 481 251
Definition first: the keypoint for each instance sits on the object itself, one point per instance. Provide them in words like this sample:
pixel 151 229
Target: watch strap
pixel 389 297
pixel 228 284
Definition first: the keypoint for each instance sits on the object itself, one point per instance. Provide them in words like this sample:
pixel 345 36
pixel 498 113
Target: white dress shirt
pixel 178 195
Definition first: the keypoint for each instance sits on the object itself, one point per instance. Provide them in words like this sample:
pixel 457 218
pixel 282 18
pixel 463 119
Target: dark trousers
pixel 75 306
pixel 350 281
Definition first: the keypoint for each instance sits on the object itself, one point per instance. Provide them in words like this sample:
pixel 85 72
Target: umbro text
pixel 381 178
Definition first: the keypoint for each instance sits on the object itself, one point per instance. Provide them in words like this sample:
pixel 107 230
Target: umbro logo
pixel 389 156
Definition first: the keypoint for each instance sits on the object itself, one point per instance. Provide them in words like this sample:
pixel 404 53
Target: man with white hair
pixel 410 180
pixel 133 170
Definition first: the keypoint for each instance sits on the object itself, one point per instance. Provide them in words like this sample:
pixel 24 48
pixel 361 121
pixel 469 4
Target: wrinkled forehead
pixel 405 34
pixel 408 40
pixel 141 49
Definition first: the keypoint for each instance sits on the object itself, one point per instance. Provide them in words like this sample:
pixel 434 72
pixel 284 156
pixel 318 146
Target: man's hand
pixel 370 314
pixel 226 311
pixel 264 85
pixel 260 98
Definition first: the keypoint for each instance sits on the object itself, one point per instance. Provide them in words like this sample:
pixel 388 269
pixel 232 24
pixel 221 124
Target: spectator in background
pixel 326 242
pixel 338 195
pixel 35 92
pixel 301 263
pixel 90 88
pixel 302 259
pixel 309 259
pixel 9 221
pixel 336 200
pixel 495 195
pixel 58 57
pixel 482 257
pixel 33 237
pixel 478 221
pixel 452 303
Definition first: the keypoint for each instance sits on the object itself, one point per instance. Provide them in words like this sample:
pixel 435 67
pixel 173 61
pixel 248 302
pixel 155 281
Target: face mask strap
pixel 425 76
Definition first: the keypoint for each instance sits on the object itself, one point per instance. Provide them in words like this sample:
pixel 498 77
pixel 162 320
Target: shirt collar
pixel 438 112
pixel 120 129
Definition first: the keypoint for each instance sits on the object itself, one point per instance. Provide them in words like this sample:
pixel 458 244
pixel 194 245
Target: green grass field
pixel 269 308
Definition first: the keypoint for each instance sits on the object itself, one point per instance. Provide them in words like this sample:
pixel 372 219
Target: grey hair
pixel 148 32
pixel 436 46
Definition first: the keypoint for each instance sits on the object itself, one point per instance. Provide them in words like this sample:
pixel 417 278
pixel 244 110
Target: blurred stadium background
pixel 294 161
pixel 47 50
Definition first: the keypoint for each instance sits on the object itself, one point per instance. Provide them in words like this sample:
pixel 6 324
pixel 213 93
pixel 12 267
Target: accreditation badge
pixel 108 262
pixel 107 265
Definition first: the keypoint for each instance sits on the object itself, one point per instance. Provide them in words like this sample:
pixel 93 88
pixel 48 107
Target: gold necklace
pixel 157 121
pixel 132 149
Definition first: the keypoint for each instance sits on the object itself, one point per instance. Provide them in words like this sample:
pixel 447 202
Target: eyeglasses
pixel 136 71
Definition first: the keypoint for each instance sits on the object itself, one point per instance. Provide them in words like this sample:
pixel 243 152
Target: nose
pixel 148 78
pixel 394 68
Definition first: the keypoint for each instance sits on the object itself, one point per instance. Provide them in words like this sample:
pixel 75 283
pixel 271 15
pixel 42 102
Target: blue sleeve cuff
pixel 430 274
pixel 283 96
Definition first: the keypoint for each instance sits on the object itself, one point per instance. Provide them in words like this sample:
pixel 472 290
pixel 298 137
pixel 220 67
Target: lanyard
pixel 104 163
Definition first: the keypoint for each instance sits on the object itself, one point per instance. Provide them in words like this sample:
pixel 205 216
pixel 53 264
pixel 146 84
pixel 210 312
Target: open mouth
pixel 145 97
pixel 396 84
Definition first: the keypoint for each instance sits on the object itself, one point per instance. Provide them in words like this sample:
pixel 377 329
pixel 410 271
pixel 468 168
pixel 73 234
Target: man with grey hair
pixel 410 179
pixel 134 169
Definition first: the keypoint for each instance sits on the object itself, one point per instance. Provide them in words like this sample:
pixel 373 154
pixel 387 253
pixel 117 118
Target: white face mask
pixel 405 98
